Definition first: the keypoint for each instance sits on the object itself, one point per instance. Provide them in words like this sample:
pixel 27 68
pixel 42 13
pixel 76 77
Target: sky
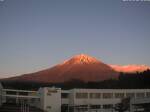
pixel 38 34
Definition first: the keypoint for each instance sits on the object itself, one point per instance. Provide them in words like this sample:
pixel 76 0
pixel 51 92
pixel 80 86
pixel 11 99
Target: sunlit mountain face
pixel 130 68
pixel 80 67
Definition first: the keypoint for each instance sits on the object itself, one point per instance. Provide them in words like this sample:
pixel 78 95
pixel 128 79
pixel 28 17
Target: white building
pixel 1 94
pixel 102 100
pixel 140 104
pixel 74 100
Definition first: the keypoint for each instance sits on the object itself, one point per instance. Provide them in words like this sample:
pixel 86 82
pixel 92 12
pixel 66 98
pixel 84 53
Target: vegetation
pixel 123 106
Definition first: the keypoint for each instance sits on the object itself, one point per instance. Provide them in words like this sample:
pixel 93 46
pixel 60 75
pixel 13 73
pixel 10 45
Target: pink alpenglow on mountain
pixel 80 67
pixel 130 68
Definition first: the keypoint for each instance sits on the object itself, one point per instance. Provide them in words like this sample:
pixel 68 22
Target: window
pixel 33 93
pixel 82 108
pixel 11 92
pixel 64 95
pixel 107 106
pixel 64 107
pixel 107 95
pixel 140 95
pixel 32 100
pixel 95 106
pixel 23 93
pixel 147 94
pixel 95 95
pixel 131 95
pixel 48 107
pixel 48 94
pixel 81 95
pixel 119 95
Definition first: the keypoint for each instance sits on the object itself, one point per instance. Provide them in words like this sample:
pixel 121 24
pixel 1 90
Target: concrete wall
pixel 139 102
pixel 1 87
pixel 73 101
pixel 50 99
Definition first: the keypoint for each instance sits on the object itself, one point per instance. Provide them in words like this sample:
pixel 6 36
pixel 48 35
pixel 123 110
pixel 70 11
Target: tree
pixel 123 106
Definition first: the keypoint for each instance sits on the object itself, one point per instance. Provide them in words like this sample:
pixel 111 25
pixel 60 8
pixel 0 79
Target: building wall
pixel 50 99
pixel 2 98
pixel 137 103
pixel 103 97
pixel 1 87
pixel 65 99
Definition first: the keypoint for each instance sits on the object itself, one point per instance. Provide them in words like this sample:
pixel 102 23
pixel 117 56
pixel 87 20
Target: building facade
pixel 75 100
pixel 1 94
pixel 100 100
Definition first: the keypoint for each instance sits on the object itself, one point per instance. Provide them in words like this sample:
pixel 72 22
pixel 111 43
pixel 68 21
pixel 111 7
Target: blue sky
pixel 37 34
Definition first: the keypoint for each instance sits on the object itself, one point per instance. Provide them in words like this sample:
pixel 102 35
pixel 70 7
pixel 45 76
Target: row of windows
pixel 16 93
pixel 82 95
pixel 110 95
pixel 106 106
pixel 107 95
pixel 95 95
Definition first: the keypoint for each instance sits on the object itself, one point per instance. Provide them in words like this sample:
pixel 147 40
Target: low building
pixel 100 100
pixel 140 104
pixel 1 87
pixel 75 100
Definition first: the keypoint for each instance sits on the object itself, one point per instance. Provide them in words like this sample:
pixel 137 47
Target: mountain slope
pixel 81 67
pixel 130 68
